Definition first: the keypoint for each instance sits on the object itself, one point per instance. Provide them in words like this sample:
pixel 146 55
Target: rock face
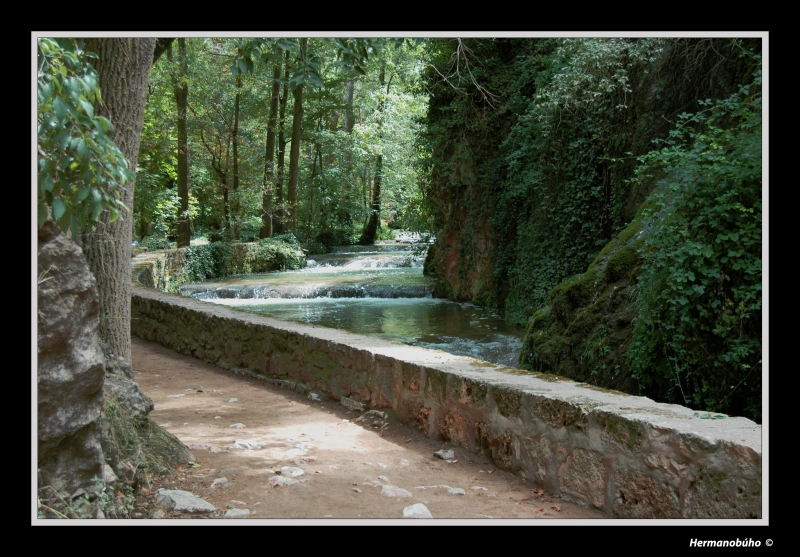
pixel 70 368
pixel 85 395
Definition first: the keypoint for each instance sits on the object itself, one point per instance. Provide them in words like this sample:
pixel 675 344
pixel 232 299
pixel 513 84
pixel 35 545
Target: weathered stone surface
pixel 641 496
pixel 542 427
pixel 129 395
pixel 183 501
pixel 69 368
pixel 715 493
pixel 582 476
pixel 417 510
pixel 352 404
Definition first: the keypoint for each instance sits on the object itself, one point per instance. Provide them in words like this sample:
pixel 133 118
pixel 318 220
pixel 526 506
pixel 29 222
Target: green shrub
pixel 697 336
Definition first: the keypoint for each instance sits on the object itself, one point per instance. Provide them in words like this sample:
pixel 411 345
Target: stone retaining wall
pixel 625 455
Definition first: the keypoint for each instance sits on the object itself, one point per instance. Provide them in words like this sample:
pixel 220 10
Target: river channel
pixel 373 290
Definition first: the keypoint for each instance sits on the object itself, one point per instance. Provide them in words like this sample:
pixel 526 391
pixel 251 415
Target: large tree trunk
pixel 182 100
pixel 294 154
pixel 123 67
pixel 269 161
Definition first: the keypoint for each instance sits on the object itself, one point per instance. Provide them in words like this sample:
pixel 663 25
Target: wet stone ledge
pixel 627 456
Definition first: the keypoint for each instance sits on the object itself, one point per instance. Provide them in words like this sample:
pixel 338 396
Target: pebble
pixel 292 471
pixel 230 399
pixel 417 510
pixel 183 501
pixel 275 481
pixel 251 444
pixel 237 426
pixel 394 491
pixel 219 481
pixel 232 513
pixel 445 454
pixel 175 396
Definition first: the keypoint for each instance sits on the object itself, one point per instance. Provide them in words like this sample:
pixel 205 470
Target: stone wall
pixel 627 456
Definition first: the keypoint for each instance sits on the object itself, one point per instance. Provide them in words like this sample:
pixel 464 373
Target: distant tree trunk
pixel 182 100
pixel 269 160
pixel 278 224
pixel 294 154
pixel 235 209
pixel 349 117
pixel 123 68
pixel 371 229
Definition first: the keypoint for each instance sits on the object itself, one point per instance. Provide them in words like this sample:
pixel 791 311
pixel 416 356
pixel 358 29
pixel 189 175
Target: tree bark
pixel 349 117
pixel 123 68
pixel 182 100
pixel 269 160
pixel 371 229
pixel 236 201
pixel 294 154
pixel 281 212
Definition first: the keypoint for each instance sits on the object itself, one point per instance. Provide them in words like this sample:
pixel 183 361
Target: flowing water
pixel 374 290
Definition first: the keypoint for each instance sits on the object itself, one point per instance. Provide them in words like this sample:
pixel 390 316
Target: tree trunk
pixel 123 68
pixel 278 223
pixel 349 117
pixel 269 160
pixel 294 154
pixel 371 229
pixel 235 135
pixel 182 100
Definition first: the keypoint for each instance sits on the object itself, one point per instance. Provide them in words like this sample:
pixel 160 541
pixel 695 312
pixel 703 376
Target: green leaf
pixel 47 184
pixel 87 108
pixel 58 208
pixel 60 108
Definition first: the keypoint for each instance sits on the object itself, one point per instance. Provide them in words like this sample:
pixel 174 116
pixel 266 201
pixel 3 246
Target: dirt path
pixel 345 464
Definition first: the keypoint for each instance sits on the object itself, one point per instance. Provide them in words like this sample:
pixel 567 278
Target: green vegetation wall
pixel 554 208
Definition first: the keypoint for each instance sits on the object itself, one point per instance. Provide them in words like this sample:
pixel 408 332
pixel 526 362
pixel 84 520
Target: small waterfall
pixel 375 290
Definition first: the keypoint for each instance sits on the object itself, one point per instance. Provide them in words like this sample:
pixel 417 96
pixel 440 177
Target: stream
pixel 373 290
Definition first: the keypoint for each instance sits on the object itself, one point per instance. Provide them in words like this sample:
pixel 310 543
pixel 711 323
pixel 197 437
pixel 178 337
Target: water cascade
pixel 374 290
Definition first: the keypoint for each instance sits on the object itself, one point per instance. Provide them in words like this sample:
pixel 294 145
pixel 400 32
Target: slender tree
pixel 294 154
pixel 182 101
pixel 281 211
pixel 371 229
pixel 269 159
